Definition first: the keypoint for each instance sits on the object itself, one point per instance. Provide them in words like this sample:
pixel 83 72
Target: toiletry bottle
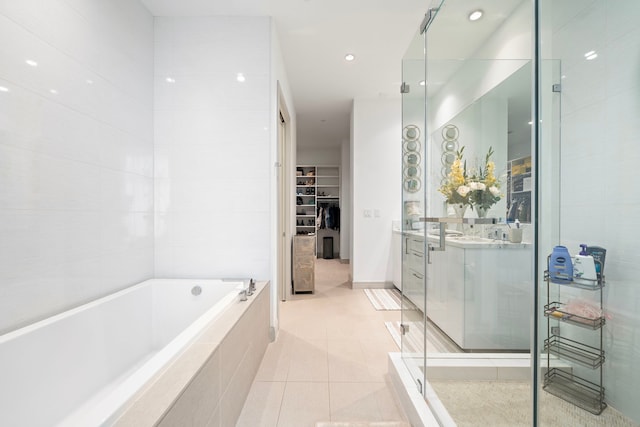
pixel 560 266
pixel 584 269
pixel 598 255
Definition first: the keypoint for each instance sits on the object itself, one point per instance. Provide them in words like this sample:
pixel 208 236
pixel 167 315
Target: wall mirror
pixel 499 119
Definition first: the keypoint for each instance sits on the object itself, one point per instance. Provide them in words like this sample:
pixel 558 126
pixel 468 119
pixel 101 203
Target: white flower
pixel 477 186
pixel 463 190
pixel 494 190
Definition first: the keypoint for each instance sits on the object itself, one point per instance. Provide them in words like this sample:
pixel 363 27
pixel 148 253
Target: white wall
pixel 505 52
pixel 329 156
pixel 599 203
pixel 213 147
pixel 76 167
pixel 345 201
pixel 376 187
pixel 280 94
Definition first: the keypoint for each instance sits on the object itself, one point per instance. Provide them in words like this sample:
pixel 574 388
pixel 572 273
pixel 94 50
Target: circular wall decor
pixel 411 171
pixel 411 133
pixel 412 185
pixel 450 145
pixel 450 132
pixel 448 158
pixel 412 159
pixel 411 145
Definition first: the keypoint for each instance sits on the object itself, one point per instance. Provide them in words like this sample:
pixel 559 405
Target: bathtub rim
pixel 116 400
pixel 153 400
pixel 27 328
pixel 143 373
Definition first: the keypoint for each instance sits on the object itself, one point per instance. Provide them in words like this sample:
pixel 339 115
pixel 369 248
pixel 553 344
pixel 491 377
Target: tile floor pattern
pixel 329 362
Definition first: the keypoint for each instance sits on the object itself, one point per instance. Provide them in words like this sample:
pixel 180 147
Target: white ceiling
pixel 316 34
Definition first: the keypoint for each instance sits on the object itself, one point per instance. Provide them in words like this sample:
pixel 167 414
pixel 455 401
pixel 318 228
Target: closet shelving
pixel 519 189
pixel 565 383
pixel 305 199
pixel 314 185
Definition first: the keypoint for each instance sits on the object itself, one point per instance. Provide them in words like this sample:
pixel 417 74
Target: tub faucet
pixel 243 295
pixel 252 287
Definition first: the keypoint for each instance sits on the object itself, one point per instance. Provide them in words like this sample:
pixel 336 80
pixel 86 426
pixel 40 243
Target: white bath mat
pixel 384 299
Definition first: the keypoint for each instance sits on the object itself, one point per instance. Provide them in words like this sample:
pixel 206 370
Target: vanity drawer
pixel 415 261
pixel 415 244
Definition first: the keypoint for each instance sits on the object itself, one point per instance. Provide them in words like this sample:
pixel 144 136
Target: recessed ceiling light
pixel 591 55
pixel 89 81
pixel 349 57
pixel 53 91
pixel 31 62
pixel 475 15
pixel 170 80
pixel 4 89
pixel 240 77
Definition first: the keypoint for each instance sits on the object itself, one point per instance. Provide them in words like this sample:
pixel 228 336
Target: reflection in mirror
pixel 498 120
pixel 449 146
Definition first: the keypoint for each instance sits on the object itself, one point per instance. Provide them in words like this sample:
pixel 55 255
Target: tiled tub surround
pixel 135 357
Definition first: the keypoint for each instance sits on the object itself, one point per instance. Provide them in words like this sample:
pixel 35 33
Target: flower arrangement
pixel 478 188
pixel 455 187
pixel 485 187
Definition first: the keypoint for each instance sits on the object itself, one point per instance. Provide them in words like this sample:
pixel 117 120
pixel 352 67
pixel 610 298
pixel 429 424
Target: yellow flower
pixel 490 179
pixel 454 188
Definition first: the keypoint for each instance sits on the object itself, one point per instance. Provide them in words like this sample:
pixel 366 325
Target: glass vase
pixel 459 209
pixel 482 212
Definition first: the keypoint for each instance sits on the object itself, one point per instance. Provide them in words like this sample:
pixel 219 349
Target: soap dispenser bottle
pixel 584 269
pixel 560 265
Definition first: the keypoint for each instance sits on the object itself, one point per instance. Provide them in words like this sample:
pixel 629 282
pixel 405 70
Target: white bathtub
pixel 81 367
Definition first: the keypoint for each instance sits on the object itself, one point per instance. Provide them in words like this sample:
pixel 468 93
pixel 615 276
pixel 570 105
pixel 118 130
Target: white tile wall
pixel 212 145
pixel 76 167
pixel 600 154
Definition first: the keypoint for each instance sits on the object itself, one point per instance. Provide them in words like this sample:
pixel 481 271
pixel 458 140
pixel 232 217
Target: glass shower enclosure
pixel 468 205
pixel 519 134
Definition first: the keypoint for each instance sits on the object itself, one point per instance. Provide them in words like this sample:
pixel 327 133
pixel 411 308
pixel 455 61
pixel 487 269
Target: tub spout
pixel 252 287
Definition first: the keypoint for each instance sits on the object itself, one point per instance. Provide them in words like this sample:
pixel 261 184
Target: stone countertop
pixel 466 242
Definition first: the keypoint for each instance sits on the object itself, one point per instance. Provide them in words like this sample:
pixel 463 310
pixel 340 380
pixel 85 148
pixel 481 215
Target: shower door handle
pixel 441 237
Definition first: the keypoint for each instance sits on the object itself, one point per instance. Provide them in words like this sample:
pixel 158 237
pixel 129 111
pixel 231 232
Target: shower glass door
pixel 468 230
pixel 410 232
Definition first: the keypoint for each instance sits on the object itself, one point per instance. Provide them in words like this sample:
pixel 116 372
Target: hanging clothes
pixel 328 216
pixel 320 218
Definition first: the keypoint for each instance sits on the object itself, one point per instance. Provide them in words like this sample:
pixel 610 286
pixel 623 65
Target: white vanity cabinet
pixel 413 272
pixel 478 292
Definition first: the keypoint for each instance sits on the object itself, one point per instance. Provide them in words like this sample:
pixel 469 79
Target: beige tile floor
pixel 329 362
